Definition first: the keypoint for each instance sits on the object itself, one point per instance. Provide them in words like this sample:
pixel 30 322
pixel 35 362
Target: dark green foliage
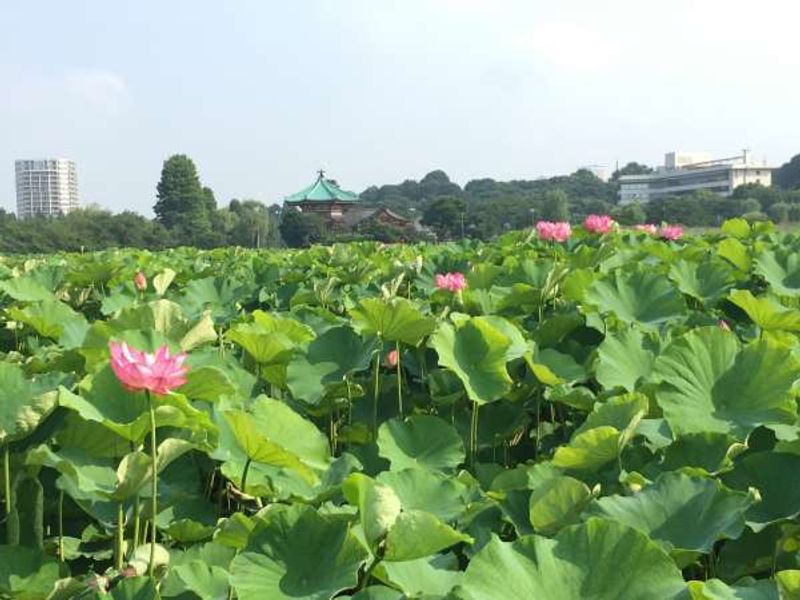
pixel 26 521
pixel 632 168
pixel 300 230
pixel 446 216
pixel 788 176
pixel 184 206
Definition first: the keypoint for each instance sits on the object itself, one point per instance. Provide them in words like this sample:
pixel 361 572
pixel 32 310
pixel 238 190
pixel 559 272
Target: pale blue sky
pixel 260 93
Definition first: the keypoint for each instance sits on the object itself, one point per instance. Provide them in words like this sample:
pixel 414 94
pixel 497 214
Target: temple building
pixel 342 210
pixel 323 197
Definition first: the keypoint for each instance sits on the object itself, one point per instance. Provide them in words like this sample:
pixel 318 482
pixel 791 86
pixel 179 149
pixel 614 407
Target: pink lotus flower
pixel 159 372
pixel 648 228
pixel 452 282
pixel 555 232
pixel 140 281
pixel 392 358
pixel 671 232
pixel 599 223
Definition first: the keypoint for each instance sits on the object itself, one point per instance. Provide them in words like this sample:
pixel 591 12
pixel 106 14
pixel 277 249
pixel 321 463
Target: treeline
pixel 187 212
pixel 484 208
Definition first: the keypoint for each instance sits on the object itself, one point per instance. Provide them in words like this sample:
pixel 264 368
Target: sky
pixel 262 93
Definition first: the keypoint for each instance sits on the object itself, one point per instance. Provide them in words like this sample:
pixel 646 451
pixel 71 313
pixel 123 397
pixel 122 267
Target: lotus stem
pixel 61 525
pixel 244 475
pixel 473 434
pixel 7 481
pixel 399 381
pixel 375 396
pixel 119 541
pixel 154 486
pixel 136 521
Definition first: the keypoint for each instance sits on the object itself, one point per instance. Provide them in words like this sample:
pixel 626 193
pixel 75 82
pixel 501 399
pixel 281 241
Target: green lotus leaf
pixel 781 270
pixel 600 559
pixel 477 351
pixel 421 440
pixel 90 438
pixel 435 575
pixel 684 513
pixel 51 319
pixel 776 476
pixel 134 588
pixel 202 332
pixel 715 589
pixel 27 288
pixel 789 584
pixel 419 488
pixel 207 582
pixel 710 452
pixel 27 573
pixel 220 295
pixel 273 434
pixel 83 476
pixel 377 504
pixel 102 399
pixel 623 360
pixel 393 320
pixel 736 253
pixel 606 430
pixel 266 347
pixel 208 383
pixel 707 281
pixel 163 280
pixel 646 299
pixel 620 412
pixel 737 227
pixel 294 553
pixel 234 531
pixel 556 503
pixel 709 385
pixel 768 314
pixel 417 534
pixel 336 353
pixel 563 366
pixel 589 450
pixel 24 403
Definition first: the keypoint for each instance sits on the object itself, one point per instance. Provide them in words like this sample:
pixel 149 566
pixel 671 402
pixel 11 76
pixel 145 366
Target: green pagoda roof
pixel 322 190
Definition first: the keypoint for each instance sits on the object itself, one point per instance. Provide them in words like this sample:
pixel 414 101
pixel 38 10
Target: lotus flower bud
pixel 140 281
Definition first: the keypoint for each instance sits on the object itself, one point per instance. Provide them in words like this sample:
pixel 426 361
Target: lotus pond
pixel 610 418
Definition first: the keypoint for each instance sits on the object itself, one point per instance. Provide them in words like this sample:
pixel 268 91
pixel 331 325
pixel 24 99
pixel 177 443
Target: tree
pixel 632 168
pixel 299 229
pixel 446 215
pixel 629 214
pixel 184 205
pixel 788 175
pixel 252 224
pixel 555 206
pixel 779 212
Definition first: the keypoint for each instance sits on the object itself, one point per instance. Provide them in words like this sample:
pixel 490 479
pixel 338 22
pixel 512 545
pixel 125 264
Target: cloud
pixel 99 88
pixel 569 45
pixel 73 91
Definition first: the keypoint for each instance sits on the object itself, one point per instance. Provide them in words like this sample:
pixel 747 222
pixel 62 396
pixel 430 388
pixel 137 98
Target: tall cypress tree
pixel 183 205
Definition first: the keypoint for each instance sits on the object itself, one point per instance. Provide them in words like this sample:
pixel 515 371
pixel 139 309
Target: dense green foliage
pixel 611 418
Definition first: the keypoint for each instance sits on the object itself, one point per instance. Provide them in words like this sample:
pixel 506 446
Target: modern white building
pixel 684 172
pixel 46 187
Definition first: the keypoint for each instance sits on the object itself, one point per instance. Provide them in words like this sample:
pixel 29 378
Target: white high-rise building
pixel 685 172
pixel 46 187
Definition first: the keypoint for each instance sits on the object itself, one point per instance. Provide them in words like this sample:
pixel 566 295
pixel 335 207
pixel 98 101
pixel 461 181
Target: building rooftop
pixel 322 190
